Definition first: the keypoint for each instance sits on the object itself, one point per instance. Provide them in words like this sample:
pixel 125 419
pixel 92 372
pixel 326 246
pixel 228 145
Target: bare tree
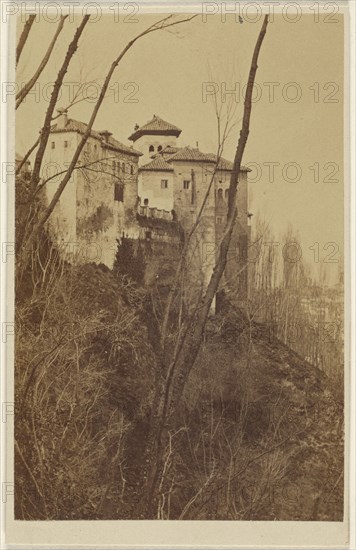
pixel 177 365
pixel 188 346
pixel 163 24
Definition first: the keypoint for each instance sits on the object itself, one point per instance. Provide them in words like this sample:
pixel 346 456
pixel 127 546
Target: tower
pixel 153 136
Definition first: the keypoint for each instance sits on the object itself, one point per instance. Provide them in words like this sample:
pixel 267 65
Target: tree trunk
pixel 53 101
pixel 179 370
pixel 162 24
pixel 27 88
pixel 24 36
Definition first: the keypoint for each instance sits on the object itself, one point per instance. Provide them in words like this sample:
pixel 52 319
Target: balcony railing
pixel 157 213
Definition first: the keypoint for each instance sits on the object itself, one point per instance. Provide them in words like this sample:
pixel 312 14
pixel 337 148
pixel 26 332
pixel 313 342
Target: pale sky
pixel 168 71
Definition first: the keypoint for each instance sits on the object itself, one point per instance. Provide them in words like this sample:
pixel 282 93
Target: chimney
pixel 62 120
pixel 105 134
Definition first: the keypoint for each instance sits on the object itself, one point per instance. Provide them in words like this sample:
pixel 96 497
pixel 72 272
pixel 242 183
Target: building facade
pixel 99 202
pixel 153 190
pixel 192 184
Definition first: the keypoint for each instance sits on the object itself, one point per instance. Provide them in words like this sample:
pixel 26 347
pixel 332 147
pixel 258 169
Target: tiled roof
pixel 80 127
pixel 158 164
pixel 190 154
pixel 168 150
pixel 155 126
pixel 225 164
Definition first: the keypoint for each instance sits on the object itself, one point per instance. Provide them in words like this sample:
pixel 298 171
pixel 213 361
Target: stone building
pixel 110 196
pixel 179 180
pixel 99 202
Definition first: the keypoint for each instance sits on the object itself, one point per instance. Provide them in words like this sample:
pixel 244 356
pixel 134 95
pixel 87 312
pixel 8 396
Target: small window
pixel 132 169
pixel 53 145
pixel 145 202
pixel 65 144
pixel 159 148
pixel 148 235
pixel 226 194
pixel 118 168
pixel 219 220
pixel 151 149
pixel 186 184
pixel 164 184
pixel 113 168
pixel 123 168
pixel 220 193
pixel 119 192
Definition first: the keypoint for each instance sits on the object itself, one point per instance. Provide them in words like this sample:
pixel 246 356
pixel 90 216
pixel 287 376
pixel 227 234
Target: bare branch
pixel 24 36
pixel 49 113
pixel 24 160
pixel 27 88
pixel 159 25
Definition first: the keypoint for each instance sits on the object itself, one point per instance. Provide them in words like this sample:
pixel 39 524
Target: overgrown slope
pixel 258 436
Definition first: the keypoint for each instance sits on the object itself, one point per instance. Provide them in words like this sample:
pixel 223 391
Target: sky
pixel 295 145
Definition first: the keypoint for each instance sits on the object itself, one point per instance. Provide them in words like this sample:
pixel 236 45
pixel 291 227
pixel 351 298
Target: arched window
pixel 159 148
pixel 220 193
pixel 145 202
pixel 151 149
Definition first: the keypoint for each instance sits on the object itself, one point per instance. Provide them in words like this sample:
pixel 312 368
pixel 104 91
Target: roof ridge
pixel 74 125
pixel 155 125
pixel 158 163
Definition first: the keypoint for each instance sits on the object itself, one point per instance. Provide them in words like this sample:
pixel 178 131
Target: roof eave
pixel 132 152
pixel 155 170
pixel 139 133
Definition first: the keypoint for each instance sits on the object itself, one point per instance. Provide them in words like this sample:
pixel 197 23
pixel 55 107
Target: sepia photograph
pixel 179 319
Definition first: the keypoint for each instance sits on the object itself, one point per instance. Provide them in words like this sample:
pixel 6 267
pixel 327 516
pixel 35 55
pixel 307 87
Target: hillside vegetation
pixel 259 434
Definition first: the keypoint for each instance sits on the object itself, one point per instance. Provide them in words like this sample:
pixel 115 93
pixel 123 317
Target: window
pixel 132 169
pixel 186 184
pixel 164 184
pixel 159 148
pixel 219 220
pixel 123 168
pixel 119 192
pixel 226 194
pixel 148 235
pixel 118 167
pixel 113 167
pixel 151 149
pixel 145 202
pixel 65 144
pixel 220 193
pixel 53 145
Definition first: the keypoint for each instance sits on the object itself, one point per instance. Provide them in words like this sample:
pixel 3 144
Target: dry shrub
pixel 83 375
